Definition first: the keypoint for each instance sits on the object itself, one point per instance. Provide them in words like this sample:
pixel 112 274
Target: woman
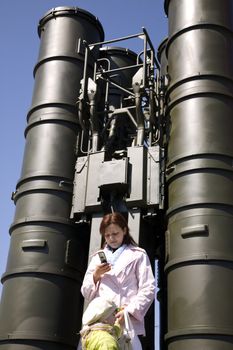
pixel 126 278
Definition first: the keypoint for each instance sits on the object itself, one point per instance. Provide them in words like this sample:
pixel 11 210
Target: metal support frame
pixel 146 90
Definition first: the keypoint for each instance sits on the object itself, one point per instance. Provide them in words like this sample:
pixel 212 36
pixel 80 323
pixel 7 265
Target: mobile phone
pixel 102 257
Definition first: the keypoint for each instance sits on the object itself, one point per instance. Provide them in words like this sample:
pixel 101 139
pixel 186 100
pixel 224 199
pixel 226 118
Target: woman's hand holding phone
pixel 102 268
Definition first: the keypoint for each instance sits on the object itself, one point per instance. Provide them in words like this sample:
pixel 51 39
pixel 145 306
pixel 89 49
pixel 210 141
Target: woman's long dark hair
pixel 117 219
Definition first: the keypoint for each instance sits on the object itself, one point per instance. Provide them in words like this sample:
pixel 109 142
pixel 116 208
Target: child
pixel 101 330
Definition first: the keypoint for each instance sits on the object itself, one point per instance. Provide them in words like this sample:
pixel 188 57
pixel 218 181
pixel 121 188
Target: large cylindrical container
pixel 199 258
pixel 41 303
pixel 119 57
pixel 121 125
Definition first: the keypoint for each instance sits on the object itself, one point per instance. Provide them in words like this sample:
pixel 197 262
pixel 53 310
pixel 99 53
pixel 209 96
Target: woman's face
pixel 114 235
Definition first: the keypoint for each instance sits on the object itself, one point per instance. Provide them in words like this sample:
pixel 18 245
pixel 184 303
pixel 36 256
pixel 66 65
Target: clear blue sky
pixel 19 50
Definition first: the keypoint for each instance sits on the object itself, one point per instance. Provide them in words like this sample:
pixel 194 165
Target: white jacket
pixel 130 283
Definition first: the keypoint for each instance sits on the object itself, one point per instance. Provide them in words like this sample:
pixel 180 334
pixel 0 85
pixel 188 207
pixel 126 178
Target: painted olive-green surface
pixel 41 305
pixel 199 240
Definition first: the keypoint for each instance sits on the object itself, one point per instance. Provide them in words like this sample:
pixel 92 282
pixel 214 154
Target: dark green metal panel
pixel 41 301
pixel 199 240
